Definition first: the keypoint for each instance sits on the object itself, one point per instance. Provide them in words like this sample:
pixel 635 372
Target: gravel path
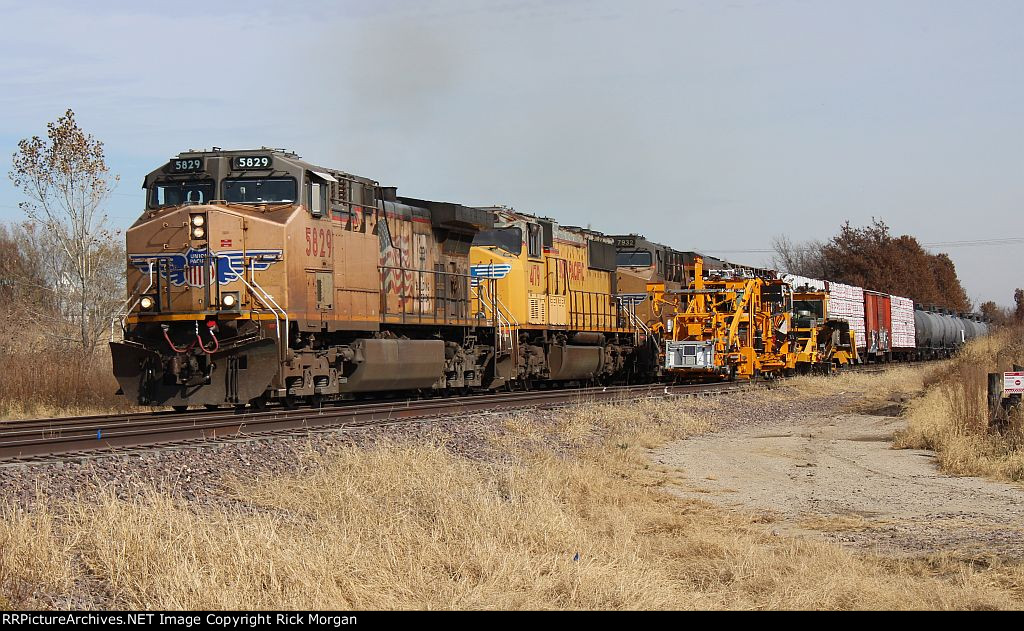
pixel 834 476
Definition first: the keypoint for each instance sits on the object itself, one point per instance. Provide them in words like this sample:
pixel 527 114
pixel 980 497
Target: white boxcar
pixel 846 302
pixel 902 316
pixel 799 282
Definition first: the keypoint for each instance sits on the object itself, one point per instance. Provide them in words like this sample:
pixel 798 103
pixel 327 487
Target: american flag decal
pixel 194 275
pixel 188 268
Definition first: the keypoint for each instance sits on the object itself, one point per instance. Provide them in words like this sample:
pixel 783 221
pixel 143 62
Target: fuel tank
pixel 571 362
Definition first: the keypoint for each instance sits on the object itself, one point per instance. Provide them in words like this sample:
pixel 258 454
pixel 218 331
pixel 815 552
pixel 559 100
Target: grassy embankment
pixel 952 416
pixel 48 383
pixel 571 515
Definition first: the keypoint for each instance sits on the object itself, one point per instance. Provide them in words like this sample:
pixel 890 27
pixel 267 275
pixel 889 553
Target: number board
pixel 625 242
pixel 186 165
pixel 241 163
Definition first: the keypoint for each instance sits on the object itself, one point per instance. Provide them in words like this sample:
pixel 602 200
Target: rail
pixel 503 320
pixel 111 434
pixel 629 308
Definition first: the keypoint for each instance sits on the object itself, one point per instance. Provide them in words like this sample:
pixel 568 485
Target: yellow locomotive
pixel 554 288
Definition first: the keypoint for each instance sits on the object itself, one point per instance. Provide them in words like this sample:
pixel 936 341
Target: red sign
pixel 1013 383
pixel 225 243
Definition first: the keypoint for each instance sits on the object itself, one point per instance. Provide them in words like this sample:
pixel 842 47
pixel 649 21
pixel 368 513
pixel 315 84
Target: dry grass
pixel 52 383
pixel 417 526
pixel 838 523
pixel 872 387
pixel 951 417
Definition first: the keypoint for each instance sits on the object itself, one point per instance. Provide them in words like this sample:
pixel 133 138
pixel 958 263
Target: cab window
pixel 259 190
pixel 535 241
pixel 316 198
pixel 178 193
pixel 633 258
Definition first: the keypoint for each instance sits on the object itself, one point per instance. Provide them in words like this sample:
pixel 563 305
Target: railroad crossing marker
pixel 1013 383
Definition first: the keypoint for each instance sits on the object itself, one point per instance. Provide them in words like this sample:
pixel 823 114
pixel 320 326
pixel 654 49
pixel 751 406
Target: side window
pixel 317 199
pixel 535 241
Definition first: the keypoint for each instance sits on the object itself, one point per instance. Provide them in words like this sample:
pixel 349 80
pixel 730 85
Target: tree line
pixel 870 256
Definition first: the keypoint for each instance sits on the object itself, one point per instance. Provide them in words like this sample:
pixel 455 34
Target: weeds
pixel 51 383
pixel 951 418
pixel 577 517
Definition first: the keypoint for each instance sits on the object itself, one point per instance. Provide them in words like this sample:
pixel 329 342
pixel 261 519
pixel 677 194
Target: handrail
pixel 123 313
pixel 271 304
pixel 505 325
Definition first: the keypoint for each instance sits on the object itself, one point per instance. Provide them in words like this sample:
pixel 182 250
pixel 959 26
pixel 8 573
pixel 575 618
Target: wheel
pixel 290 402
pixel 211 406
pixel 179 408
pixel 258 404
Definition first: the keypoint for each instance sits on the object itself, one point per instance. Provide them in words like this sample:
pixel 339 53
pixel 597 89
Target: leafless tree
pixel 802 259
pixel 67 182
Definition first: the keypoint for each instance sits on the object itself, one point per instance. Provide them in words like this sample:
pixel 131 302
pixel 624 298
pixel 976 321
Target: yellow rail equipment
pixel 729 325
pixel 821 344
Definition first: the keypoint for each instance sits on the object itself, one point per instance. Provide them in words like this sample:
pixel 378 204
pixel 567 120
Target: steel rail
pixel 53 437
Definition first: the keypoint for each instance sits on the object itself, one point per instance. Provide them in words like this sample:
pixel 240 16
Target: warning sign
pixel 1013 383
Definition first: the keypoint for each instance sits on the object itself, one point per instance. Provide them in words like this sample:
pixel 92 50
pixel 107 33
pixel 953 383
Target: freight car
pixel 940 332
pixel 255 276
pixel 892 327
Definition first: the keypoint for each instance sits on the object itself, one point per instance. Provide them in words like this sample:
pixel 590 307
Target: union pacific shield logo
pixel 188 269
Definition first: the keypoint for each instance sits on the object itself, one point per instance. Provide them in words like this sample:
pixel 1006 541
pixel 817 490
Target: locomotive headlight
pixel 147 303
pixel 229 300
pixel 197 224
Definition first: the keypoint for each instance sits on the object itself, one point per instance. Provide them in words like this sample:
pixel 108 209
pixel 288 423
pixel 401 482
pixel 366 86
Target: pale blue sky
pixel 707 125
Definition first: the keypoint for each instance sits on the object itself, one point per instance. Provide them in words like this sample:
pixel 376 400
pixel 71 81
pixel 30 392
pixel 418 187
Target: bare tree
pixel 67 182
pixel 802 259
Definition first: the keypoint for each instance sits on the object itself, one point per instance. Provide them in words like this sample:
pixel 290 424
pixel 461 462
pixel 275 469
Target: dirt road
pixel 835 477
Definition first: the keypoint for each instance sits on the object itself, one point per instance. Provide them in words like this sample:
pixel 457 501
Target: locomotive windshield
pixel 635 258
pixel 177 193
pixel 259 190
pixel 508 239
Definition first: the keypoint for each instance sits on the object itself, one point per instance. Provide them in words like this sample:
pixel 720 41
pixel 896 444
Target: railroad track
pixel 39 439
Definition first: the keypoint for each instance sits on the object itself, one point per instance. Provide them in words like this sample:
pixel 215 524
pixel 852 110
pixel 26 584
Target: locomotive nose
pixel 192 251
